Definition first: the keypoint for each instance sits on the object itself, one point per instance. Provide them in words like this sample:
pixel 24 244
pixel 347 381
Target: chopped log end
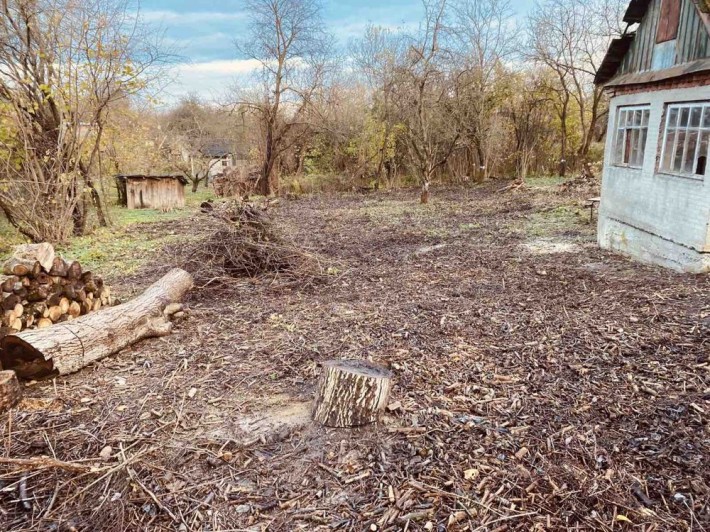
pixel 359 367
pixel 351 393
pixel 26 361
pixel 10 391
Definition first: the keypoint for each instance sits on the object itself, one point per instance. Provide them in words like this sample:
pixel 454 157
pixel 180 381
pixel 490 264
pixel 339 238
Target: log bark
pixel 10 391
pixel 67 347
pixel 31 253
pixel 351 393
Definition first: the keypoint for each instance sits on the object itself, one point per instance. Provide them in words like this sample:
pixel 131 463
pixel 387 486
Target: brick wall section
pixel 699 79
pixel 643 210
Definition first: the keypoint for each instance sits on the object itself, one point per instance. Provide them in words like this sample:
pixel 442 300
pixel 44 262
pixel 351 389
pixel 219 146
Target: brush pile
pixel 239 239
pixel 40 288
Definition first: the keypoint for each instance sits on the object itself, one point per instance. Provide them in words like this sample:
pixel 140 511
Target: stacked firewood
pixel 40 288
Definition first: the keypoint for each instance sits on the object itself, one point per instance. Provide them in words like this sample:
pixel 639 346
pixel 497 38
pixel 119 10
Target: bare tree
pixel 62 65
pixel 423 92
pixel 484 38
pixel 570 37
pixel 288 40
pixel 378 55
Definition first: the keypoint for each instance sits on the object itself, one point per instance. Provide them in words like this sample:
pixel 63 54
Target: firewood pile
pixel 40 288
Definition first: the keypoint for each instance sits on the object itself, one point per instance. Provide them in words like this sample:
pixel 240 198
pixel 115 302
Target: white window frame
pixel 703 127
pixel 625 129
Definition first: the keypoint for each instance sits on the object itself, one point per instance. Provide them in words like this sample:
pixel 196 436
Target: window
pixel 631 135
pixel 225 163
pixel 668 21
pixel 686 138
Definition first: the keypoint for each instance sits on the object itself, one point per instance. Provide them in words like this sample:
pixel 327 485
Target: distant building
pixel 655 203
pixel 222 158
pixel 160 192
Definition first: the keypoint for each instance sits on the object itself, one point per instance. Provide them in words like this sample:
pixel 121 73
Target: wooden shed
pixel 161 192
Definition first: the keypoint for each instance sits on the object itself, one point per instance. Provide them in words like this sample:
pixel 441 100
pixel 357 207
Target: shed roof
pixel 153 177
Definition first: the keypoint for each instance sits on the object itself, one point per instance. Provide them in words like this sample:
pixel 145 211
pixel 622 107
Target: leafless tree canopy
pixel 63 64
pixel 288 40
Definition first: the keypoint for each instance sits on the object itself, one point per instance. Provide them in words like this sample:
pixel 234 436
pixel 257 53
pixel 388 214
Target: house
pixel 161 192
pixel 655 202
pixel 221 158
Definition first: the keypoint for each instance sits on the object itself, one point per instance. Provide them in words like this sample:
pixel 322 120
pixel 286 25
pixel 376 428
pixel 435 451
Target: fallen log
pixel 10 391
pixel 351 393
pixel 69 346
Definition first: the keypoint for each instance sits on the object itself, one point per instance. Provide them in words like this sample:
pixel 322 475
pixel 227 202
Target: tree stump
pixel 10 391
pixel 351 393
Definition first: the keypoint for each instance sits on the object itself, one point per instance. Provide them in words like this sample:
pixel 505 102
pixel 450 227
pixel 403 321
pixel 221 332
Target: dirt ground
pixel 539 384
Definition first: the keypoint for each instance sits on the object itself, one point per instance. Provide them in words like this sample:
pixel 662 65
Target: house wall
pixel 658 218
pixel 217 168
pixel 163 194
pixel 692 42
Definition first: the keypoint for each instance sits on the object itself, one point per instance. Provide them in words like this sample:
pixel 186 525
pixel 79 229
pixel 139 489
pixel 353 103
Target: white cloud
pixel 208 79
pixel 193 17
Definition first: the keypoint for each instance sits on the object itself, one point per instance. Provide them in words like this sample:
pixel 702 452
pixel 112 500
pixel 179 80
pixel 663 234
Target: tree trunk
pixel 351 393
pixel 10 391
pixel 67 347
pixel 425 193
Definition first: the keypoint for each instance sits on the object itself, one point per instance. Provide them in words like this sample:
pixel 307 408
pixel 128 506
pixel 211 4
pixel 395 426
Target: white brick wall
pixel 651 216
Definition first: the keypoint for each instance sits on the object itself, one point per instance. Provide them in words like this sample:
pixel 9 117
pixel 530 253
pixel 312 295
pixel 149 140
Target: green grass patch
pixel 124 246
pixel 551 222
pixel 546 181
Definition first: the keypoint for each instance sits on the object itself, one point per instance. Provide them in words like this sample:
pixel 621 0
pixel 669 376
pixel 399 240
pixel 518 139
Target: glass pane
pixel 668 151
pixel 634 145
pixel 689 157
pixel 627 146
pixel 678 156
pixel 644 121
pixel 702 163
pixel 629 118
pixel 619 146
pixel 684 115
pixel 706 117
pixel 673 117
pixel 643 133
pixel 622 119
pixel 637 117
pixel 695 115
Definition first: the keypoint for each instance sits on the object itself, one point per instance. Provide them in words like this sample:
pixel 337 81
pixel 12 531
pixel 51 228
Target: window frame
pixel 625 128
pixel 700 129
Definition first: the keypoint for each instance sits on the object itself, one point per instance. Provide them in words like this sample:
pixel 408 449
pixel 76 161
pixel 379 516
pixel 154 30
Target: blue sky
pixel 203 32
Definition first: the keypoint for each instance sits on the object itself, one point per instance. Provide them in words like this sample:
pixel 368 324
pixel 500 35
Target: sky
pixel 203 34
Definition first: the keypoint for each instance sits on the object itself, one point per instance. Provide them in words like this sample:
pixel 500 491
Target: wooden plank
pixel 669 20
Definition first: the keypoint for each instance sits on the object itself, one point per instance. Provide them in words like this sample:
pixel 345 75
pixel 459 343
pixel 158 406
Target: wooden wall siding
pixel 692 42
pixel 163 194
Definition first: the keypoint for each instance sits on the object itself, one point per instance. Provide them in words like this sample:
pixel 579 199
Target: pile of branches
pixel 238 239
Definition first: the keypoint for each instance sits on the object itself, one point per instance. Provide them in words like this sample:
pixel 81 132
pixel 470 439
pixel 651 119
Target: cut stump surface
pixel 351 393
